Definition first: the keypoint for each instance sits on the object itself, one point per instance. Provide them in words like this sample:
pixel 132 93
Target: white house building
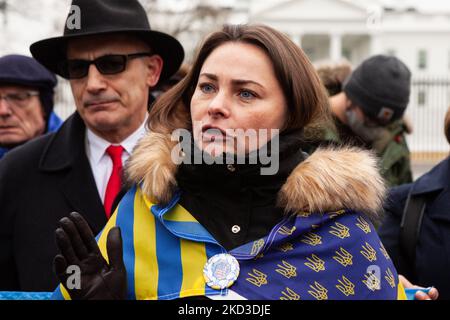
pixel 327 30
pixel 336 29
pixel 333 30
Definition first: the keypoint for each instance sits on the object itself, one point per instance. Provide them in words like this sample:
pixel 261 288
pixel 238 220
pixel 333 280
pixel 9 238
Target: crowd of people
pixel 117 190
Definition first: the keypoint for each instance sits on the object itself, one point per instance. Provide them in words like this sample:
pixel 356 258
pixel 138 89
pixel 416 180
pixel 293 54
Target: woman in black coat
pixel 429 263
pixel 219 227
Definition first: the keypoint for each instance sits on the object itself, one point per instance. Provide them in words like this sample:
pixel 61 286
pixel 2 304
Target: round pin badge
pixel 221 271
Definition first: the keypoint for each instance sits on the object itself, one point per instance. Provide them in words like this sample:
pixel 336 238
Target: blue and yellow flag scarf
pixel 309 256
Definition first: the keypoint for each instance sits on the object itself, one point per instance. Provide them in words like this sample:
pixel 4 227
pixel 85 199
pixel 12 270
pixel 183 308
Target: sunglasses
pixel 107 65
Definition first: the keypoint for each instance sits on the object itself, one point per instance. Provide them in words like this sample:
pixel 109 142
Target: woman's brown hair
pixel 306 97
pixel 447 125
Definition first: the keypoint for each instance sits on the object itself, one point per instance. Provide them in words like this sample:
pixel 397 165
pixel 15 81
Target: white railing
pixel 429 101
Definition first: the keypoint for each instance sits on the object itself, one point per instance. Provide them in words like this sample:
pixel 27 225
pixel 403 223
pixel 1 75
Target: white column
pixel 335 47
pixel 297 38
pixel 375 44
pixel 4 35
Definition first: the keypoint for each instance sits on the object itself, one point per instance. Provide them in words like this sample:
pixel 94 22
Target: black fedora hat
pixel 99 17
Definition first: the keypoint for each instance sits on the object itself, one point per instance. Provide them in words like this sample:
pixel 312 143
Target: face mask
pixel 367 133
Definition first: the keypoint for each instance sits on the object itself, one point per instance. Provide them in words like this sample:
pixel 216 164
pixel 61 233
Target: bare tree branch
pixel 198 18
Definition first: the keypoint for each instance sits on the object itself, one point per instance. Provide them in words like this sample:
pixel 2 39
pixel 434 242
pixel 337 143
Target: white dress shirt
pixel 100 161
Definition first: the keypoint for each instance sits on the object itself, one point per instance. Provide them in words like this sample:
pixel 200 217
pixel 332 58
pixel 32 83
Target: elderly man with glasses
pixel 26 101
pixel 112 61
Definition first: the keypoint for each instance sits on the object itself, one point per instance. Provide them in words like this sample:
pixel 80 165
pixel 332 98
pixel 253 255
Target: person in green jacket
pixel 368 113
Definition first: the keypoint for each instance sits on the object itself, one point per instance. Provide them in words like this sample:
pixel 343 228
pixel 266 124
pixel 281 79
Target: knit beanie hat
pixel 380 86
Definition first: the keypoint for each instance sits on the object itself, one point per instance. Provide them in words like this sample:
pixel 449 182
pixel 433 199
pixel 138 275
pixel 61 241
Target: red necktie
pixel 115 180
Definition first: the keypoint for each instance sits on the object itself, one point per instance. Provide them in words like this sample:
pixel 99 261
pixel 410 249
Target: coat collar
pixel 218 179
pixel 329 180
pixel 65 156
pixel 435 184
pixel 65 147
pixel 435 180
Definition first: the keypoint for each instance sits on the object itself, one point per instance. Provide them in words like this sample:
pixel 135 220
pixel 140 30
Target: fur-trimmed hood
pixel 329 180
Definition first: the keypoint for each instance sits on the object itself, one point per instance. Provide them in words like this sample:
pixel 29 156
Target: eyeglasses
pixel 108 64
pixel 18 99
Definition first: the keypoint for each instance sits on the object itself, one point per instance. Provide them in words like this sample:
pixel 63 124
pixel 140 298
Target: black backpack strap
pixel 409 232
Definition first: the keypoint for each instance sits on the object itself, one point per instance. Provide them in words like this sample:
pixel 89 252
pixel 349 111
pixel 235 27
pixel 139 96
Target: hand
pixel 432 295
pixel 99 280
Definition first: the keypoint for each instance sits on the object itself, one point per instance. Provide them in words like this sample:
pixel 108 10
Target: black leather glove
pixel 99 280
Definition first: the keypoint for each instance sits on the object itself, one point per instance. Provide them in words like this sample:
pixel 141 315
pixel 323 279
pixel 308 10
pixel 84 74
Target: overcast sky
pixel 26 26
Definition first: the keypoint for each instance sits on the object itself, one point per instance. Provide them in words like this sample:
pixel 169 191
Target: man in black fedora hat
pixel 113 60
